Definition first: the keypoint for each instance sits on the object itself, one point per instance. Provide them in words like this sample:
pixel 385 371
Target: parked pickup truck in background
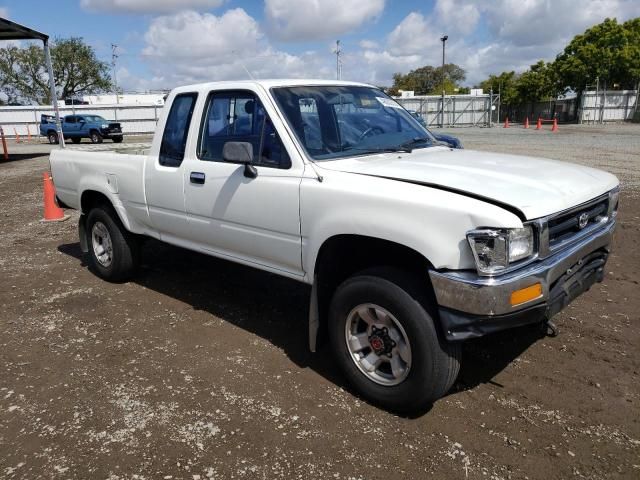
pixel 77 127
pixel 410 247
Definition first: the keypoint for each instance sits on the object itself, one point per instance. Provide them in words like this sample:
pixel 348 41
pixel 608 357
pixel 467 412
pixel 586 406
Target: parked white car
pixel 410 247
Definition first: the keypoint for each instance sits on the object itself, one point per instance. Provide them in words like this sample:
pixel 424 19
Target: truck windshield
pixel 94 118
pixel 338 121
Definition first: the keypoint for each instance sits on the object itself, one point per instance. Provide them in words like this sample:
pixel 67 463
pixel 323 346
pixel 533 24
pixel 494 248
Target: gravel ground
pixel 198 369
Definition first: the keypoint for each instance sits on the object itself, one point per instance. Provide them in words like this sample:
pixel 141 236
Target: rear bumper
pixel 472 306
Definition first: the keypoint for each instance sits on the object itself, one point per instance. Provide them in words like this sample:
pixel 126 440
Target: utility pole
pixel 114 56
pixel 443 39
pixel 338 53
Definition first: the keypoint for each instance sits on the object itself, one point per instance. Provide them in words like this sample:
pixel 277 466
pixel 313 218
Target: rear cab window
pixel 176 130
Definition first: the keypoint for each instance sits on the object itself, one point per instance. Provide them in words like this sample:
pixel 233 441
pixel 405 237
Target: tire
pixel 117 139
pixel 53 138
pixel 76 139
pixel 114 252
pixel 390 298
pixel 95 137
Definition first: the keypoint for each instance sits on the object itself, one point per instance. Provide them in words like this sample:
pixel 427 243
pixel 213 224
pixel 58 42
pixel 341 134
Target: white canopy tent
pixel 14 31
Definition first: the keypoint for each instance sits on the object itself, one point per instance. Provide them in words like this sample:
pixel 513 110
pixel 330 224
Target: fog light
pixel 526 294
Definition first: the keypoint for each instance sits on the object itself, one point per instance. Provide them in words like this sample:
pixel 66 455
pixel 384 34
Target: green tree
pixel 505 84
pixel 428 80
pixel 77 71
pixel 609 51
pixel 538 83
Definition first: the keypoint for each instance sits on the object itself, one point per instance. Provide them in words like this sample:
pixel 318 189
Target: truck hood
pixel 537 187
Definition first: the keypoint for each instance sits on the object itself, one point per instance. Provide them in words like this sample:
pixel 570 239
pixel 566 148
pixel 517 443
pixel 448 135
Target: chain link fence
pixel 458 110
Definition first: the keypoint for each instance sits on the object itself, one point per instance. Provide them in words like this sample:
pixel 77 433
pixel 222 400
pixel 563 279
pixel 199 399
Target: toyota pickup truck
pixel 409 247
pixel 77 127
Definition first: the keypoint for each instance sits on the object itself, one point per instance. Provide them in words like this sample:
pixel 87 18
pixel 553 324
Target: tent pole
pixel 52 87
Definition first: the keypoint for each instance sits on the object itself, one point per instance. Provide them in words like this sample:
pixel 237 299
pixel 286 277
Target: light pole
pixel 443 39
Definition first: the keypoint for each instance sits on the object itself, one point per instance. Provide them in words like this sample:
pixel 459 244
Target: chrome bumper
pixel 468 293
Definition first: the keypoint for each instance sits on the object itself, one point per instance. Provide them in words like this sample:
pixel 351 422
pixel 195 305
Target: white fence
pixel 133 118
pixel 458 109
pixel 607 106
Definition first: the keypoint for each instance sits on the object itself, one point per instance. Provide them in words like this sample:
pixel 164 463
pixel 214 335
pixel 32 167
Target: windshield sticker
pixel 387 102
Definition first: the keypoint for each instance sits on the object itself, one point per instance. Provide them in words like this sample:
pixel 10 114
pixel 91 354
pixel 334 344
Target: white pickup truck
pixel 410 246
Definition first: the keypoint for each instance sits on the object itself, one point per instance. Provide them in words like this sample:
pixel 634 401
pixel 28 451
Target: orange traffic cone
pixel 52 212
pixel 526 122
pixel 539 124
pixel 555 125
pixel 506 122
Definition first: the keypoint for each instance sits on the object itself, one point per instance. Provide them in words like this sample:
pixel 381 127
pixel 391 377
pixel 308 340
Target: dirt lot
pixel 199 368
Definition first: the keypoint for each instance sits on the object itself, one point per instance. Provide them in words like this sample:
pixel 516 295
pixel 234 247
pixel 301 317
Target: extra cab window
pixel 174 138
pixel 239 116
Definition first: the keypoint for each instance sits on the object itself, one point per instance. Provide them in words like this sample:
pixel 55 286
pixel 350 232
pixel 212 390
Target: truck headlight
pixel 104 125
pixel 495 249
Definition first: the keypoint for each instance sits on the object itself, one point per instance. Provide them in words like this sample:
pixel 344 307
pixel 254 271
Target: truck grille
pixel 566 225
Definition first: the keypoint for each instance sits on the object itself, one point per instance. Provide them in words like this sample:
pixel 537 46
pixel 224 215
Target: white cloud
pixel 539 22
pixel 368 44
pixel 457 16
pixel 191 47
pixel 147 6
pixel 301 20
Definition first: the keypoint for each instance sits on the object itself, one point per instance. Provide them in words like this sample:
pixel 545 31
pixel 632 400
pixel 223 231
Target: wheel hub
pixel 380 341
pixel 378 344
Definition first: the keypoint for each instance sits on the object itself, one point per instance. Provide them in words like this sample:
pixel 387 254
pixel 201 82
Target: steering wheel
pixel 370 132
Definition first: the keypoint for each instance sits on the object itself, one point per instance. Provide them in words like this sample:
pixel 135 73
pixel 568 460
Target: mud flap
pixel 314 316
pixel 82 234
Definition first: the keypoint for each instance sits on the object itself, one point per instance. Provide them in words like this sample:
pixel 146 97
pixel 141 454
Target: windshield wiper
pixel 399 148
pixel 407 146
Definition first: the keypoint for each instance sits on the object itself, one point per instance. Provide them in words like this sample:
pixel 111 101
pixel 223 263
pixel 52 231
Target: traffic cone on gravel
pixel 555 125
pixel 506 122
pixel 539 124
pixel 526 122
pixel 52 212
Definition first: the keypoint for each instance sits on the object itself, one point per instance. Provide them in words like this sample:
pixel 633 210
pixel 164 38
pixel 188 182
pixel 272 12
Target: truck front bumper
pixel 471 306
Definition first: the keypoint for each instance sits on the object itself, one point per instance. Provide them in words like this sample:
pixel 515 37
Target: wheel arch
pixel 92 197
pixel 344 255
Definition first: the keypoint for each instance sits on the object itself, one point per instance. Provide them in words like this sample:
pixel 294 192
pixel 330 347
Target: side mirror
pixel 81 121
pixel 242 153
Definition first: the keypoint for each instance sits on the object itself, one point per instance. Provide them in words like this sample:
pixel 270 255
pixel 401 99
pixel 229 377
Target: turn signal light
pixel 526 294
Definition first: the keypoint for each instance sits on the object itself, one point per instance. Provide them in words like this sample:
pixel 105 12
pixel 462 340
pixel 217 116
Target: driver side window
pixel 239 116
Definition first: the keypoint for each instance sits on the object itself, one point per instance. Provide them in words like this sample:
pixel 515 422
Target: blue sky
pixel 164 43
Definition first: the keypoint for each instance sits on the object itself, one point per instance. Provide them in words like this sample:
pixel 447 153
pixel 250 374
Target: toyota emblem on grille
pixel 583 220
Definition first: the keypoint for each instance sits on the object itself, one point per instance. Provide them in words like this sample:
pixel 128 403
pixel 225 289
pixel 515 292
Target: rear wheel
pixel 387 344
pixel 53 138
pixel 95 137
pixel 114 252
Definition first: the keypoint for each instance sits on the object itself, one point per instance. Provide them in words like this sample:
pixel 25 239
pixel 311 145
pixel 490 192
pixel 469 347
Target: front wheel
pixel 53 138
pixel 387 344
pixel 114 252
pixel 95 137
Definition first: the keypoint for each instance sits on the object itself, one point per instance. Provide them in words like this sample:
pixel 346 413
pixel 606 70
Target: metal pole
pixel 54 97
pixel 490 106
pixel 444 40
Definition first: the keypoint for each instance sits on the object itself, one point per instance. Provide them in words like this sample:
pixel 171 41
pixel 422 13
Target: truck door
pixel 69 126
pixel 254 220
pixel 164 174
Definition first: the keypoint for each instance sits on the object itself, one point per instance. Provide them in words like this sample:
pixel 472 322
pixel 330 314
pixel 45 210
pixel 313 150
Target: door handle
pixel 197 178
